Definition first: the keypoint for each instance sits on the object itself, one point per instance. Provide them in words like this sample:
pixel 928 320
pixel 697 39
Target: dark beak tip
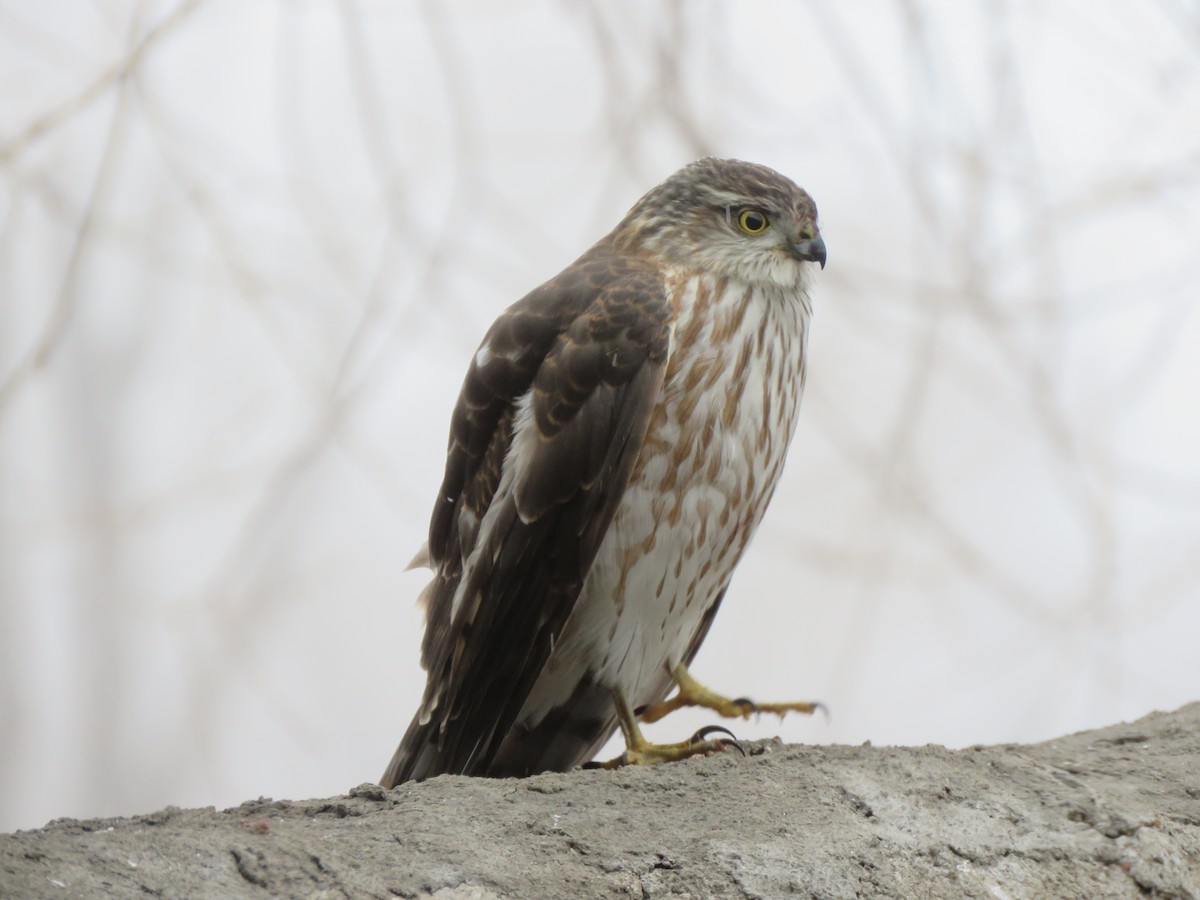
pixel 812 250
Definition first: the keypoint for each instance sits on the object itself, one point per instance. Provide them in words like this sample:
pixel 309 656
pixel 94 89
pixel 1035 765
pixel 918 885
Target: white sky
pixel 239 288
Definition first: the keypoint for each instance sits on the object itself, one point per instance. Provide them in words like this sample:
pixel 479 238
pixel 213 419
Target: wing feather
pixel 552 414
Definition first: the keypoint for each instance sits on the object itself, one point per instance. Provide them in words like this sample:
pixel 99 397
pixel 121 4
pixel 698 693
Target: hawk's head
pixel 732 218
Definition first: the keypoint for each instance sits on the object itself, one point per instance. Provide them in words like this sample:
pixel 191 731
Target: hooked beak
pixel 811 249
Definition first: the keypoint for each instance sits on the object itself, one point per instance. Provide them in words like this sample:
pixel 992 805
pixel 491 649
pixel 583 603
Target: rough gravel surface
pixel 1107 813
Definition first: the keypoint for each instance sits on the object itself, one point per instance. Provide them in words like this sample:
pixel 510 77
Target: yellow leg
pixel 640 752
pixel 693 693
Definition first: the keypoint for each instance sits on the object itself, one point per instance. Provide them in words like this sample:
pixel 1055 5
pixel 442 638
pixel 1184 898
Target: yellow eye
pixel 753 221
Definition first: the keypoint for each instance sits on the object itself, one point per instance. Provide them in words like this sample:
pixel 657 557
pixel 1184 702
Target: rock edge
pixel 1113 812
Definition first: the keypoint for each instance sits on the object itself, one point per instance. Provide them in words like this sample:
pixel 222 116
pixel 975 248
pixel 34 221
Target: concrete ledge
pixel 1107 813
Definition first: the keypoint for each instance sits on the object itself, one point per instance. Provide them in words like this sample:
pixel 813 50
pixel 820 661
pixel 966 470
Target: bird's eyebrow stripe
pixel 728 199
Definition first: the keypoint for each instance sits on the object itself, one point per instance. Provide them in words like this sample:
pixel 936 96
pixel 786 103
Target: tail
pixel 565 736
pixel 418 756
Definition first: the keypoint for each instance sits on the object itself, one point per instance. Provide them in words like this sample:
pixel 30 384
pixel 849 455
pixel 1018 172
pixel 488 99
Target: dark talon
pixel 747 703
pixel 703 734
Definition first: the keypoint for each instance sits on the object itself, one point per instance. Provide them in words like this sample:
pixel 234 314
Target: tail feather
pixel 565 737
pixel 417 757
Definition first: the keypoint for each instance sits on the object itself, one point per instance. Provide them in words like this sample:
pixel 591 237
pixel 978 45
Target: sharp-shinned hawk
pixel 618 437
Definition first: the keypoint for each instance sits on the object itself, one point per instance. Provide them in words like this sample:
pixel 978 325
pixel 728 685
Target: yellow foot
pixel 643 753
pixel 693 693
pixel 640 752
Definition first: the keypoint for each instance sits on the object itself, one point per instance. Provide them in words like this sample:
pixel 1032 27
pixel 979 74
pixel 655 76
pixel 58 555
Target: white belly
pixel 705 475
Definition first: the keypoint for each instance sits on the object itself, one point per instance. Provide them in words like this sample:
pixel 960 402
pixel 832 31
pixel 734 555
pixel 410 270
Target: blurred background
pixel 248 248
